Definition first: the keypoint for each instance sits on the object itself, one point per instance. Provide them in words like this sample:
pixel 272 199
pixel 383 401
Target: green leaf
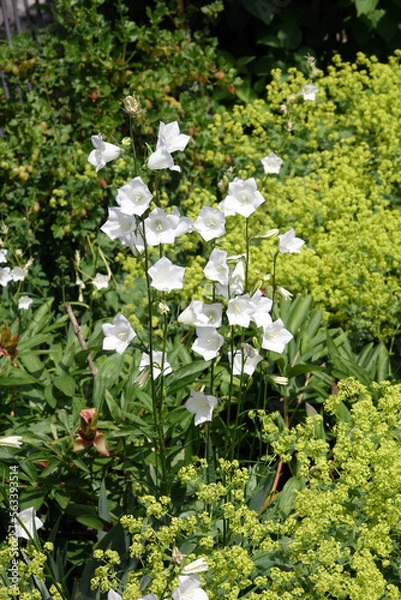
pixel 285 500
pixel 364 7
pixel 65 384
pixel 185 375
pixel 103 510
pixel 113 406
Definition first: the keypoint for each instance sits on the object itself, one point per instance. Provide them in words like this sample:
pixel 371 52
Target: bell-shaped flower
pixel 243 198
pixel 202 315
pixel 184 225
pixel 309 92
pixel 217 268
pixel 189 589
pixel 199 565
pixel 24 302
pixel 261 315
pixel 240 310
pixel 18 274
pixel 159 363
pixel 3 257
pixel 288 243
pixel 236 280
pixel 27 523
pixel 208 342
pixel 5 276
pixel 119 224
pixel 112 595
pixel 169 137
pixel 210 223
pixel 134 197
pixel 202 407
pixel 166 276
pixel 100 281
pixel 11 441
pixel 160 228
pixel 276 337
pixel 103 153
pixel 245 360
pixel 162 159
pixel 117 335
pixel 272 163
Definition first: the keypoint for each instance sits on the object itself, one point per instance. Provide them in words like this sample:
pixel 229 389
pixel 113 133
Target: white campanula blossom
pixel 18 274
pixel 112 595
pixel 166 276
pixel 119 224
pixel 169 137
pixel 189 589
pixel 169 140
pixel 118 335
pixel 158 363
pixel 103 153
pixel 202 315
pixel 3 257
pixel 240 310
pixel 28 523
pixel 309 92
pixel 24 302
pixel 185 224
pixel 100 281
pixel 217 268
pixel 243 198
pixel 11 441
pixel 288 243
pixel 160 228
pixel 261 315
pixel 210 223
pixel 5 276
pixel 245 360
pixel 236 280
pixel 276 337
pixel 208 342
pixel 134 197
pixel 272 163
pixel 199 565
pixel 202 406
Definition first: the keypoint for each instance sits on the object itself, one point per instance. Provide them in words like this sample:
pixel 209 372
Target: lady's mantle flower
pixel 208 342
pixel 276 337
pixel 210 223
pixel 24 302
pixel 117 335
pixel 309 92
pixel 189 589
pixel 243 198
pixel 288 243
pixel 202 407
pixel 158 363
pixel 272 163
pixel 28 523
pixel 12 441
pixel 134 197
pixel 166 276
pixel 103 152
